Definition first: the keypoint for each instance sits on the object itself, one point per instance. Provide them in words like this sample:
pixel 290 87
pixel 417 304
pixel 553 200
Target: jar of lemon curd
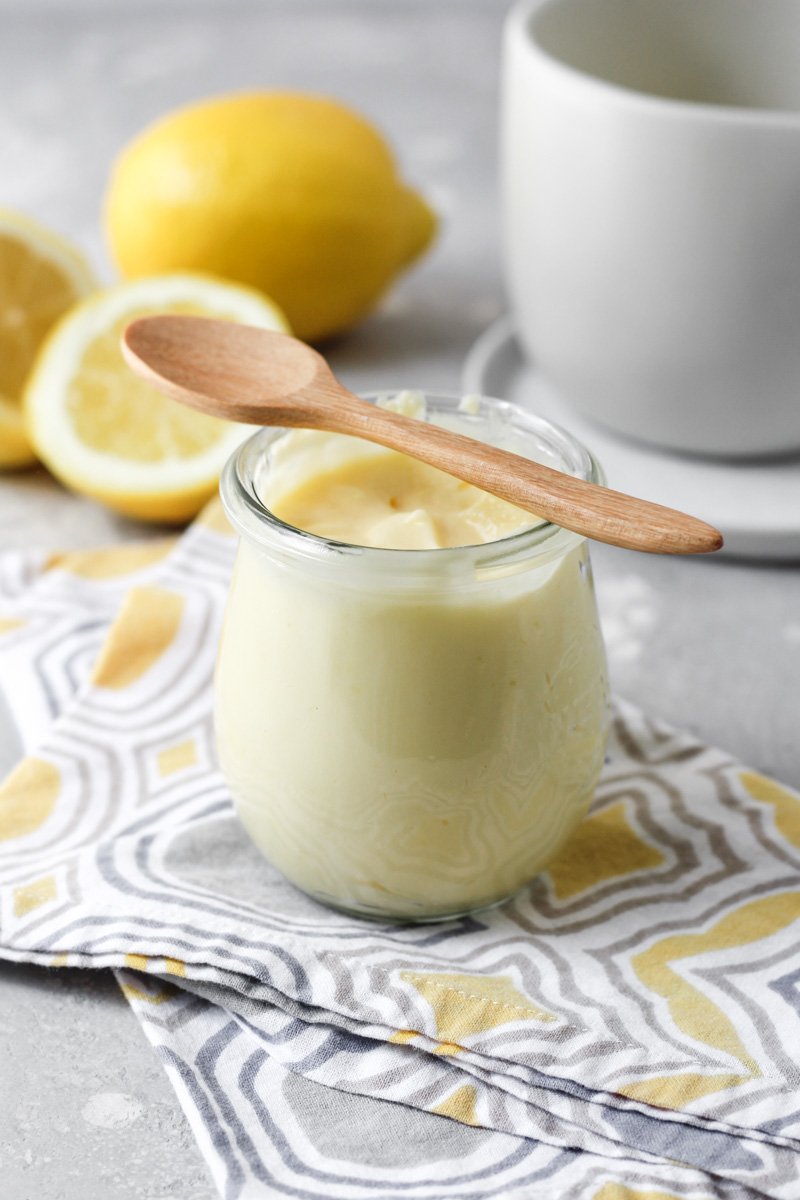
pixel 412 733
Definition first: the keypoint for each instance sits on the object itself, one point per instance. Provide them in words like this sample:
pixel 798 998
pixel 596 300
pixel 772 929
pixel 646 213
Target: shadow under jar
pixel 410 734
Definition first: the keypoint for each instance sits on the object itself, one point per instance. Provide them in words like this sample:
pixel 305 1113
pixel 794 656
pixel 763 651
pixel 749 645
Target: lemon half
pixel 106 433
pixel 41 276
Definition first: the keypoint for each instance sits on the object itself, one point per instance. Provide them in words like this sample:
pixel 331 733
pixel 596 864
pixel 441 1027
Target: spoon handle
pixel 261 377
pixel 586 508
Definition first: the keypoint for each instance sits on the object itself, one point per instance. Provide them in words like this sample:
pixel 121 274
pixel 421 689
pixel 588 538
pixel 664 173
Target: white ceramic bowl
pixel 651 181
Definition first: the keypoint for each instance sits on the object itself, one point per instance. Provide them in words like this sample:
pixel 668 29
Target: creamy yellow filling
pixel 396 502
pixel 406 751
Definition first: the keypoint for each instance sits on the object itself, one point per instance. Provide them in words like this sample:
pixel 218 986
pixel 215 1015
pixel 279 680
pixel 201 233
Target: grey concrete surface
pixel 85 1109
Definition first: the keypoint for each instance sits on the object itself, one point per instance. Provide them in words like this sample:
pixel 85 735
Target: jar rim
pixel 252 519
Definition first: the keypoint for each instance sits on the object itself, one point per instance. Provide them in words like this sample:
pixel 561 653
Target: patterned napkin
pixel 627 1027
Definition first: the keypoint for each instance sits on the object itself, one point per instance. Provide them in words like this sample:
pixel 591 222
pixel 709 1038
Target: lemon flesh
pixel 116 413
pixel 290 193
pixel 40 277
pixel 106 433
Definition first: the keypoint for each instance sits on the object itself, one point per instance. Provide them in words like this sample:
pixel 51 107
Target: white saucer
pixel 755 505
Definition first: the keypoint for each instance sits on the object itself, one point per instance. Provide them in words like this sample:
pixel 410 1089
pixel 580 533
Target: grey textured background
pixel 85 1109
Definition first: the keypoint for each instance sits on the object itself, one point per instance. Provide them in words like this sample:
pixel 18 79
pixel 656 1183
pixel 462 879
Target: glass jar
pixel 411 734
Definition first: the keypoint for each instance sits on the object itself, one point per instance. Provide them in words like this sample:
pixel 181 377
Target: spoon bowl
pixel 241 373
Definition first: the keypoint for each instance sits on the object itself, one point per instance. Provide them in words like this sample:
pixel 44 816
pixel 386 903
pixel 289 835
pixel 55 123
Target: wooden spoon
pixel 263 378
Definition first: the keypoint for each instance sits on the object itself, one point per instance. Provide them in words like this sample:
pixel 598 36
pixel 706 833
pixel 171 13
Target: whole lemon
pixel 293 194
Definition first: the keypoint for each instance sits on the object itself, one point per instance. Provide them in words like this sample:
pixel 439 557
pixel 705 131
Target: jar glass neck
pixel 246 476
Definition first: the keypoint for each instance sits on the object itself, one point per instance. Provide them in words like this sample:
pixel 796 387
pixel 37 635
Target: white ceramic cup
pixel 651 182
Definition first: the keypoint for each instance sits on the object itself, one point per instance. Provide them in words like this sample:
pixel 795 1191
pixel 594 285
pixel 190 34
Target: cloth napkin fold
pixel 622 1028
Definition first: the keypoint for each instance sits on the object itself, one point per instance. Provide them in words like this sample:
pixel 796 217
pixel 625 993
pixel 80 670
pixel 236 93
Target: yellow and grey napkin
pixel 622 1029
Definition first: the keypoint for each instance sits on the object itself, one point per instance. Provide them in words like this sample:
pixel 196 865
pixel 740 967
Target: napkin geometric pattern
pixel 627 1026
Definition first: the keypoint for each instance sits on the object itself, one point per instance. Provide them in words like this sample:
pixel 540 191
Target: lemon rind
pixel 52 433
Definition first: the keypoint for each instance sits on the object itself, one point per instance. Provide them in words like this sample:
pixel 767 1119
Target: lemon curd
pixel 395 502
pixel 411 688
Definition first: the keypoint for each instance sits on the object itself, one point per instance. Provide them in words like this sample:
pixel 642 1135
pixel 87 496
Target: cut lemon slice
pixel 103 431
pixel 40 277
